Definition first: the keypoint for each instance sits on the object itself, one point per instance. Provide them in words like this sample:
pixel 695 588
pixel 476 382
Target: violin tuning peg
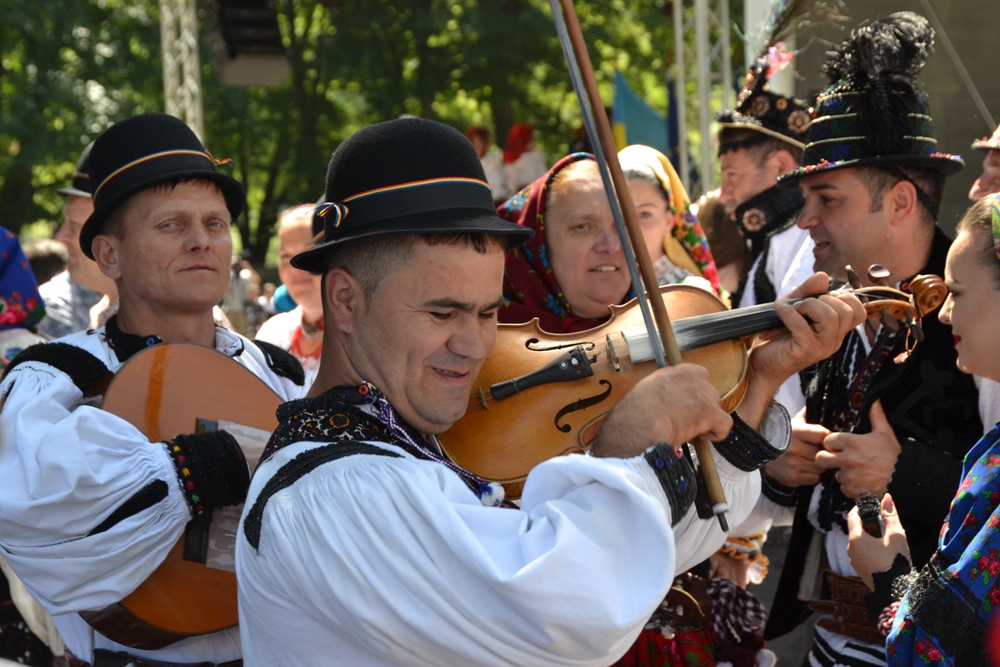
pixel 888 321
pixel 909 318
pixel 918 331
pixel 879 275
pixel 852 277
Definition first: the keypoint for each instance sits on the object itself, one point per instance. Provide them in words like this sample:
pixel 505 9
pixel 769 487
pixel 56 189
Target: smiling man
pixel 875 419
pixel 361 544
pixel 89 507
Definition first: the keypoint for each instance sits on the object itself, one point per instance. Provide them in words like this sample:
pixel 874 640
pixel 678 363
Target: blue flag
pixel 641 124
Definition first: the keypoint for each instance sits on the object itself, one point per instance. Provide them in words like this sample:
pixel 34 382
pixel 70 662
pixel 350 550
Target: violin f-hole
pixel 581 404
pixel 588 346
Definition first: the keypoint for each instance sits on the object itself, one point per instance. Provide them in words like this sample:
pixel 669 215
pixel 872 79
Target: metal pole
pixel 681 97
pixel 725 57
pixel 704 91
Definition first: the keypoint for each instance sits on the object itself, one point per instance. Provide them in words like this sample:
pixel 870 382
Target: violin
pixel 541 395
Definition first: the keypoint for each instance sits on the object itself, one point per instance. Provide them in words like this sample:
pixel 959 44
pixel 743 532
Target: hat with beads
pixel 874 113
pixel 991 143
pixel 406 176
pixel 144 151
pixel 760 109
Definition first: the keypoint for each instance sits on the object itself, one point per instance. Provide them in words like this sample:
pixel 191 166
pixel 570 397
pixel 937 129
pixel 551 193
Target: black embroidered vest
pixel 761 217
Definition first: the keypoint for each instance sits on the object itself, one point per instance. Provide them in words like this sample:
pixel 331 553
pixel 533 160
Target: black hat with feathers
pixel 874 112
pixel 760 109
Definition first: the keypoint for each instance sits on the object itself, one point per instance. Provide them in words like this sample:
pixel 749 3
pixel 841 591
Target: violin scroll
pixel 929 292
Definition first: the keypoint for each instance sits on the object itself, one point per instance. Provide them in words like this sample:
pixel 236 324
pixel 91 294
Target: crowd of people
pixel 362 543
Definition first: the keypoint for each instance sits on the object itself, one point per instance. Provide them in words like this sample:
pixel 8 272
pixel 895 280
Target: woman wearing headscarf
pixel 674 237
pixel 574 267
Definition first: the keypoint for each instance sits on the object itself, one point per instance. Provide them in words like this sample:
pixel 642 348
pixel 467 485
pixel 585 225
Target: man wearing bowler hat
pixel 360 544
pixel 71 294
pixel 89 507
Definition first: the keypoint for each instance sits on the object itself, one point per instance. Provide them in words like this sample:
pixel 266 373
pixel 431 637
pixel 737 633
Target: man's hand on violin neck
pixel 814 330
pixel 797 466
pixel 673 405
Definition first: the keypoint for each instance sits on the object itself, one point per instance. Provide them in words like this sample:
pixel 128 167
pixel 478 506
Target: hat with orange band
pixel 405 176
pixel 144 151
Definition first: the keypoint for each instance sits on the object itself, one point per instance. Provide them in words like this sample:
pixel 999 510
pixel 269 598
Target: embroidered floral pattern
pixel 360 413
pixel 943 617
pixel 760 106
pixel 754 220
pixel 20 304
pixel 798 121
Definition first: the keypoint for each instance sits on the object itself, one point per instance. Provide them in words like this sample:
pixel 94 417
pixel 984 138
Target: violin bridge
pixel 613 354
pixel 482 400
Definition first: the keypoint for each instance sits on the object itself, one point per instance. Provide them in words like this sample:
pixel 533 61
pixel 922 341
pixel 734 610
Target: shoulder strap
pixel 297 468
pixel 282 362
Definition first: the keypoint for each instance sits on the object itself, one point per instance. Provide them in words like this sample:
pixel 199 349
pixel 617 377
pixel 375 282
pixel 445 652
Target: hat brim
pixel 450 221
pixel 949 165
pixel 987 145
pixel 66 192
pixel 232 190
pixel 744 123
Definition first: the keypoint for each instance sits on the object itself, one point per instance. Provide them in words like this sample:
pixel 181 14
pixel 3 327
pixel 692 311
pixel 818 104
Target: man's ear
pixel 107 255
pixel 900 202
pixel 784 161
pixel 343 300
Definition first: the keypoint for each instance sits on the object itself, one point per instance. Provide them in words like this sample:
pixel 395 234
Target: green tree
pixel 69 68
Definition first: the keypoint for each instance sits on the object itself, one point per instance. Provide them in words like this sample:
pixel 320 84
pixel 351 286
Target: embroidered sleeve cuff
pixel 747 450
pixel 670 478
pixel 890 586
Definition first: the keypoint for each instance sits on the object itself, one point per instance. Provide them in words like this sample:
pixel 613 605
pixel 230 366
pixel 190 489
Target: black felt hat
pixel 81 176
pixel 406 176
pixel 143 151
pixel 760 109
pixel 874 113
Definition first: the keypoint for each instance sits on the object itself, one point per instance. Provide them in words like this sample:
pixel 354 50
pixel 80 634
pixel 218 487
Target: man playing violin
pixel 361 544
pixel 89 507
pixel 876 418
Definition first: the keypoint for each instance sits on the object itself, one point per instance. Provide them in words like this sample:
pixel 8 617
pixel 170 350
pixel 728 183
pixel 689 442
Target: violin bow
pixel 626 222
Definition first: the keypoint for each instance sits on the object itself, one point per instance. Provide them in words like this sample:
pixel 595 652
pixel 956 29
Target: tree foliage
pixel 69 68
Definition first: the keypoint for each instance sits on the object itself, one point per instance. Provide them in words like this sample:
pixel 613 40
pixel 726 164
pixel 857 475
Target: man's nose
pixel 197 237
pixel 807 219
pixel 469 340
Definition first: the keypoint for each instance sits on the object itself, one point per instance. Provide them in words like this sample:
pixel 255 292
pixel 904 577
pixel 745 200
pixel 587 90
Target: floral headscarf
pixel 686 229
pixel 529 283
pixel 20 305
